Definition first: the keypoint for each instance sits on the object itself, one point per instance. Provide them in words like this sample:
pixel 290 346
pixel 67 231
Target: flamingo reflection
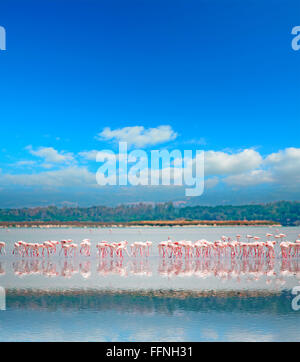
pixel 251 270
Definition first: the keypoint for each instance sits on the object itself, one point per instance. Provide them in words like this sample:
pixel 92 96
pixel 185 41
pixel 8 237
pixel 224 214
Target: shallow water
pixel 146 299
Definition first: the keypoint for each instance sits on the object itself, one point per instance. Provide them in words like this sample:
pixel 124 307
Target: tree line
pixel 283 212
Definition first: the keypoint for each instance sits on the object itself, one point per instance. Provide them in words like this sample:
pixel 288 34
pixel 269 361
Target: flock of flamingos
pixel 252 247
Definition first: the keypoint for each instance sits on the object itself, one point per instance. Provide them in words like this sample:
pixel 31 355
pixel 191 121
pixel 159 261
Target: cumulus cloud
pixel 211 182
pixel 139 136
pixel 24 163
pixel 222 163
pixel 51 155
pixel 242 169
pixel 255 177
pixel 246 168
pixel 285 163
pixel 281 168
pixel 89 155
pixel 93 154
pixel 67 177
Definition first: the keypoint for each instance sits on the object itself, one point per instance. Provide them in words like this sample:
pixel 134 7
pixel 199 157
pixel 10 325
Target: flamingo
pixel 2 247
pixel 85 247
pixel 268 235
pixel 282 236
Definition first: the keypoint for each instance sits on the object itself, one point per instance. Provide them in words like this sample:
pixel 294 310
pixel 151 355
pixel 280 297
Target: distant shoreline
pixel 285 213
pixel 149 223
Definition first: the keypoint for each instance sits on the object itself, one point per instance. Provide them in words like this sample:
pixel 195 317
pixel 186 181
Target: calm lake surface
pixel 146 299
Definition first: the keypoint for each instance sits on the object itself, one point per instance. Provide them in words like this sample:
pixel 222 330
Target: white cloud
pixel 285 164
pixel 89 155
pixel 25 163
pixel 245 168
pixel 92 155
pixel 47 165
pixel 50 155
pixel 255 177
pixel 139 136
pixel 222 163
pixel 281 168
pixel 211 182
pixel 70 176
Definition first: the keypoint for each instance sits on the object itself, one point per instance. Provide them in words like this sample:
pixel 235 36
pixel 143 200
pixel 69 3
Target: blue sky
pixel 222 76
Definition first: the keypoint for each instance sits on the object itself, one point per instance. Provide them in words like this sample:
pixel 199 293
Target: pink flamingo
pixel 85 247
pixel 2 247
